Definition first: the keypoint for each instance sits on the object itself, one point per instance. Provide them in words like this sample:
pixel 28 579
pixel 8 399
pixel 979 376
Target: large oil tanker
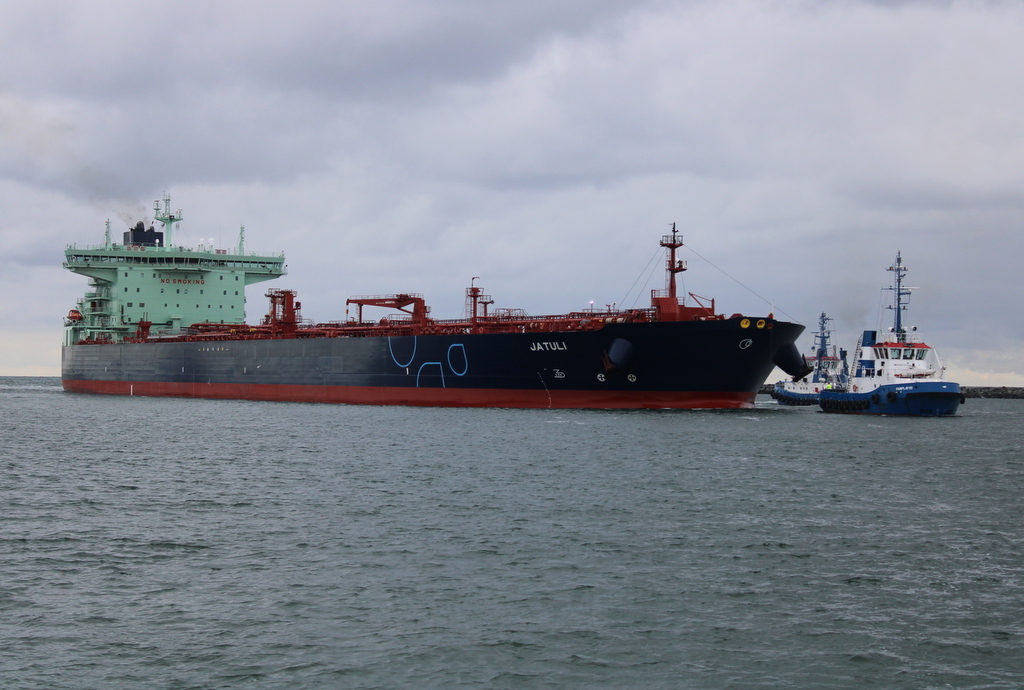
pixel 166 320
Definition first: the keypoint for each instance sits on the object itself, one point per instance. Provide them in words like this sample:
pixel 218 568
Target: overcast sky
pixel 394 146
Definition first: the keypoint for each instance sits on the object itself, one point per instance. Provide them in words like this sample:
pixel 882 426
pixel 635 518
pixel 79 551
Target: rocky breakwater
pixel 993 392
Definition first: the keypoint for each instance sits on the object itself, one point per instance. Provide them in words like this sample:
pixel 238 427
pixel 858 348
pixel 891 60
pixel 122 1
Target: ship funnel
pixel 789 359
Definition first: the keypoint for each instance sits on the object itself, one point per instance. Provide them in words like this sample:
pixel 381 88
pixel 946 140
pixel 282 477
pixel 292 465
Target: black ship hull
pixel 686 364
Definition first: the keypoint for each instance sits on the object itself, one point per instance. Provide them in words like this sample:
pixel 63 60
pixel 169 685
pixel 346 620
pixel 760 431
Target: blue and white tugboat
pixel 828 371
pixel 896 374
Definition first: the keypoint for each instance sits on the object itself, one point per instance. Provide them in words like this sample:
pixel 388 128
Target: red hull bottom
pixel 424 397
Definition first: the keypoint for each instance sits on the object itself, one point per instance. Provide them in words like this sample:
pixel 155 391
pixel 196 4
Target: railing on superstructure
pixel 169 257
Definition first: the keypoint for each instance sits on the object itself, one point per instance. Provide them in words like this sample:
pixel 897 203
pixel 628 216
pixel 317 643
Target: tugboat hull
pixel 934 399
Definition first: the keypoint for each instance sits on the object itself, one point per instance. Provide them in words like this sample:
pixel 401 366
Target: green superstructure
pixel 148 280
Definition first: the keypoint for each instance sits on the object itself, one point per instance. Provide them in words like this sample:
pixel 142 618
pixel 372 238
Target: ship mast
pixel 166 217
pixel 899 270
pixel 673 242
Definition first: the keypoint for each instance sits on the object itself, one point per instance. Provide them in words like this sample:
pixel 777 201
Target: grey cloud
pixel 797 145
pixel 395 48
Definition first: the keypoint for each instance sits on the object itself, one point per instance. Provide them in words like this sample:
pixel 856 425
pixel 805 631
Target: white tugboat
pixel 895 373
pixel 829 371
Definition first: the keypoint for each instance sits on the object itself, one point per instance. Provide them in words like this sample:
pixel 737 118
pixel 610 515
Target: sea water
pixel 172 543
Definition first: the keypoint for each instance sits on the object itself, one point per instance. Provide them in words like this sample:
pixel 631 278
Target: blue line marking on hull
pixel 440 370
pixel 465 359
pixel 395 360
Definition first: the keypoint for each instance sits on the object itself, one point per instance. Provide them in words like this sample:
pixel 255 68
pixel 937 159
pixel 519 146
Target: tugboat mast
pixel 899 270
pixel 821 337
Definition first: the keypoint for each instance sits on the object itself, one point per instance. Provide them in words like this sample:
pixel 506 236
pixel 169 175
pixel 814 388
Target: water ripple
pixel 222 544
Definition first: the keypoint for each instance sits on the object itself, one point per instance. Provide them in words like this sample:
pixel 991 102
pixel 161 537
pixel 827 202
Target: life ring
pixel 855 389
pixel 890 396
